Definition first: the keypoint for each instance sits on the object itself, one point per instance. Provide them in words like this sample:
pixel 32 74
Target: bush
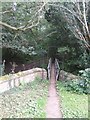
pixel 81 85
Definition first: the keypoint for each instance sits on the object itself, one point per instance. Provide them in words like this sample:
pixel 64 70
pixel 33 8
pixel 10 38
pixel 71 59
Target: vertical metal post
pixel 57 69
pixel 49 69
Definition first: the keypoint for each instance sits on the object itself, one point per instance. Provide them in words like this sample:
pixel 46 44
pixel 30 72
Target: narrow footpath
pixel 53 104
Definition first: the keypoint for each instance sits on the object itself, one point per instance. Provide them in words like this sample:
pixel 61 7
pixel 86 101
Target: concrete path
pixel 53 104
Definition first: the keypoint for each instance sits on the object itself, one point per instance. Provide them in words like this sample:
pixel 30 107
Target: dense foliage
pixel 63 44
pixel 81 85
pixel 35 30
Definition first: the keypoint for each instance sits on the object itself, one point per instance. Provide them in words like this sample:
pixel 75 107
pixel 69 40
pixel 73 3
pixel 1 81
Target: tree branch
pixel 4 12
pixel 51 33
pixel 9 26
pixel 25 27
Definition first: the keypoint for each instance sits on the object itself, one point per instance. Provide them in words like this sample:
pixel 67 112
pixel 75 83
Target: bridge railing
pixel 49 68
pixel 57 69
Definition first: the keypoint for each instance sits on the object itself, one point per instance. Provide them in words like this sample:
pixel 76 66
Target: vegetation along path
pixel 53 106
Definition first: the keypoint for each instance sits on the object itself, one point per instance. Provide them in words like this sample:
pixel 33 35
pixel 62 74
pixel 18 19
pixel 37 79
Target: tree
pixel 24 28
pixel 63 44
pixel 19 25
pixel 77 17
pixel 31 15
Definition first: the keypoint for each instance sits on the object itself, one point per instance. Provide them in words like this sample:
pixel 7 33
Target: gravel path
pixel 53 106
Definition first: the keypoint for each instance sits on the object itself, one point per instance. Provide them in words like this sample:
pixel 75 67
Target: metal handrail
pixel 49 68
pixel 57 69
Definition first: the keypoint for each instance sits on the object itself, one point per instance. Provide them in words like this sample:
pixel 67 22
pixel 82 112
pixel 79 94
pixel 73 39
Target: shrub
pixel 81 85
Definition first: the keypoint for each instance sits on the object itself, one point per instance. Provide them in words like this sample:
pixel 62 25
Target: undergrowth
pixel 26 101
pixel 73 105
pixel 81 85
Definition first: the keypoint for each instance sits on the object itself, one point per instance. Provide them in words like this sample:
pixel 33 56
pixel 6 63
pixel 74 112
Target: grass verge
pixel 26 101
pixel 73 105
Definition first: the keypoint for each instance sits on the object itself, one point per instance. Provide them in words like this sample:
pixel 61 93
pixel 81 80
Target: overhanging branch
pixel 24 27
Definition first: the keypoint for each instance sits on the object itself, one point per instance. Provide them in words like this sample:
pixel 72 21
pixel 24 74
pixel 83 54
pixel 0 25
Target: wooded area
pixel 39 30
pixel 53 38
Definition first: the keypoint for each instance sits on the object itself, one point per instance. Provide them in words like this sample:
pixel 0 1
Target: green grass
pixel 73 105
pixel 26 101
pixel 29 101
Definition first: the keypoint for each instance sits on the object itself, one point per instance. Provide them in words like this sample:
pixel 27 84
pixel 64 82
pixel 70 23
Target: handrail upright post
pixel 57 69
pixel 49 68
